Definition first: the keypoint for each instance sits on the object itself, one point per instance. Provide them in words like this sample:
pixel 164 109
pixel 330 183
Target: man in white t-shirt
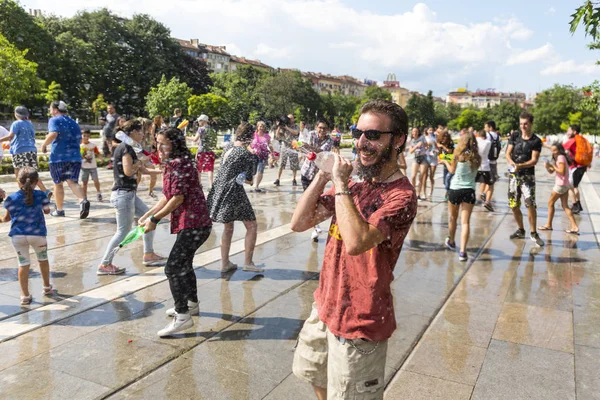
pixel 484 176
pixel 493 155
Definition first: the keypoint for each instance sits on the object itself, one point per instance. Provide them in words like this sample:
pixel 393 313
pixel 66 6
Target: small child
pixel 25 209
pixel 89 151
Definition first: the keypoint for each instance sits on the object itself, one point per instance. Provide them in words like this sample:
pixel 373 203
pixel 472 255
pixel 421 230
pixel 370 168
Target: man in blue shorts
pixel 65 157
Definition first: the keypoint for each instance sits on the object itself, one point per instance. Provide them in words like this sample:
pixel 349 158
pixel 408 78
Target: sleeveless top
pixel 464 176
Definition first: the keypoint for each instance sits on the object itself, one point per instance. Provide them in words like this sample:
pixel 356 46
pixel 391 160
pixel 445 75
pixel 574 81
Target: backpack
pixel 584 152
pixel 495 148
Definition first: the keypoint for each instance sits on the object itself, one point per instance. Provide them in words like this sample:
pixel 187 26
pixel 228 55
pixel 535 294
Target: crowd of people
pixel 342 346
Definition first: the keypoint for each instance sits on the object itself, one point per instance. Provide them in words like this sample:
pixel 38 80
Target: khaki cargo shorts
pixel 349 369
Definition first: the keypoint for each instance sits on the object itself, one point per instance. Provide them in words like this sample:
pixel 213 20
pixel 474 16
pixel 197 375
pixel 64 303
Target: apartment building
pixel 483 98
pixel 216 57
pixel 237 61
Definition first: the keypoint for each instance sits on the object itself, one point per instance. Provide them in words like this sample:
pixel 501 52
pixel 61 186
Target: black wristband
pixel 154 220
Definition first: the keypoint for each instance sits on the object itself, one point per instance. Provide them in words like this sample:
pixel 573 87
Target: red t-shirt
pixel 180 178
pixel 571 147
pixel 354 298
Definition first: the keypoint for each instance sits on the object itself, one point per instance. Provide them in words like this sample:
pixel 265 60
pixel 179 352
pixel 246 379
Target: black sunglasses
pixel 370 134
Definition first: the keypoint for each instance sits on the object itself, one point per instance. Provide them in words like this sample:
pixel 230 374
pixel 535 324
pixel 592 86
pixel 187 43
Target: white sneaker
pixel 314 236
pixel 193 309
pixel 318 229
pixel 179 323
pixel 253 268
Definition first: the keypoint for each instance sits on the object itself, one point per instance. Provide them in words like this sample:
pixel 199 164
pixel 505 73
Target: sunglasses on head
pixel 370 134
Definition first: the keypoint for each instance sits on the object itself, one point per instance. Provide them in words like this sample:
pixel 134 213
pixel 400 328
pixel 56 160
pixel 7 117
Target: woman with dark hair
pixel 184 200
pixel 227 199
pixel 126 202
pixel 560 165
pixel 446 146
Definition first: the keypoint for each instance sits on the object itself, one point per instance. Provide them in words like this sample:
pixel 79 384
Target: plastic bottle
pixel 325 160
pixel 241 178
pixel 129 141
pixel 133 235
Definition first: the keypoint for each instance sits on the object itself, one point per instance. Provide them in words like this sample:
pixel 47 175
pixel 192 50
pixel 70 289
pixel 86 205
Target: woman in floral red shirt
pixel 184 200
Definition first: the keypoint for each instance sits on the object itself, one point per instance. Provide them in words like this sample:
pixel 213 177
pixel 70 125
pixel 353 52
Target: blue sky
pixel 439 45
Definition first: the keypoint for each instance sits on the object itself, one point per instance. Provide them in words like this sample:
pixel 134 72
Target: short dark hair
pixel 491 124
pixel 575 127
pixel 394 111
pixel 86 132
pixel 177 111
pixel 244 132
pixel 526 115
pixel 322 121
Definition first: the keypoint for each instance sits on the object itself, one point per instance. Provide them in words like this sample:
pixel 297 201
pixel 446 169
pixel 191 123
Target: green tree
pixel 210 104
pixel 506 115
pixel 167 96
pixel 441 114
pixel 470 117
pixel 239 87
pixel 587 15
pixel 377 93
pixel 413 110
pixel 118 57
pixel 52 93
pixel 18 76
pixel 552 108
pixel 427 109
pixel 26 33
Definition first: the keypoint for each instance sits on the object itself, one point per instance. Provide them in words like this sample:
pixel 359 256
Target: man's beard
pixel 369 172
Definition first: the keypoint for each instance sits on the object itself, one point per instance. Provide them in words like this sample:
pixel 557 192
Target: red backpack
pixel 584 152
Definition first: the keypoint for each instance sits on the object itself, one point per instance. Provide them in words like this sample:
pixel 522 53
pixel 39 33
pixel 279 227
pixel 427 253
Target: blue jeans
pixel 127 205
pixel 447 178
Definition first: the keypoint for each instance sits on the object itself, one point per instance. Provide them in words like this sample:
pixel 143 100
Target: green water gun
pixel 133 235
pixel 446 157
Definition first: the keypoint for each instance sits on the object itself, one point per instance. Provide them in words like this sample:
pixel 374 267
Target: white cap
pixel 60 105
pixel 203 117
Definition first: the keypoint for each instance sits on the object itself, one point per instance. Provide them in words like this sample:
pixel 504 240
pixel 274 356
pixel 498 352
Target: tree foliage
pixel 166 96
pixel 552 108
pixel 214 106
pixel 18 76
pixel 377 93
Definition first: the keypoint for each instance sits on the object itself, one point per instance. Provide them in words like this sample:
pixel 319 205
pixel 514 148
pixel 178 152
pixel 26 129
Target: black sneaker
pixel 482 196
pixel 488 206
pixel 576 209
pixel 519 234
pixel 535 238
pixel 276 183
pixel 84 209
pixel 294 183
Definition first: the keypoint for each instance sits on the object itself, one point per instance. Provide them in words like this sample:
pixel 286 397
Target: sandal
pixel 572 232
pixel 26 300
pixel 544 228
pixel 47 290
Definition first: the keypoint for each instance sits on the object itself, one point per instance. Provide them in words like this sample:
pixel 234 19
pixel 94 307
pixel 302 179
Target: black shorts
pixel 578 175
pixel 461 196
pixel 336 144
pixel 484 177
pixel 421 160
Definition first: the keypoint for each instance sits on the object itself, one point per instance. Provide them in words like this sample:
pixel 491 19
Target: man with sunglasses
pixel 343 344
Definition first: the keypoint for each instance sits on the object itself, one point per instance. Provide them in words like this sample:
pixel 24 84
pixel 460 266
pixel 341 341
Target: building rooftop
pixel 254 63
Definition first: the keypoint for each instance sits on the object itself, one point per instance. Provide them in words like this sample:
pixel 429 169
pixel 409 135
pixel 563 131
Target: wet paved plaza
pixel 515 322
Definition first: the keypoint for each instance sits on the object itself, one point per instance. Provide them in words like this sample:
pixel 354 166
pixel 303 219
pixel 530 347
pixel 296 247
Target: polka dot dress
pixel 227 199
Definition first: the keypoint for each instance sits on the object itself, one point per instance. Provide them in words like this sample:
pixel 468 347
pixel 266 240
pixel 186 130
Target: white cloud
pixel 333 37
pixel 551 10
pixel 264 50
pixel 343 45
pixel 571 67
pixel 544 53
